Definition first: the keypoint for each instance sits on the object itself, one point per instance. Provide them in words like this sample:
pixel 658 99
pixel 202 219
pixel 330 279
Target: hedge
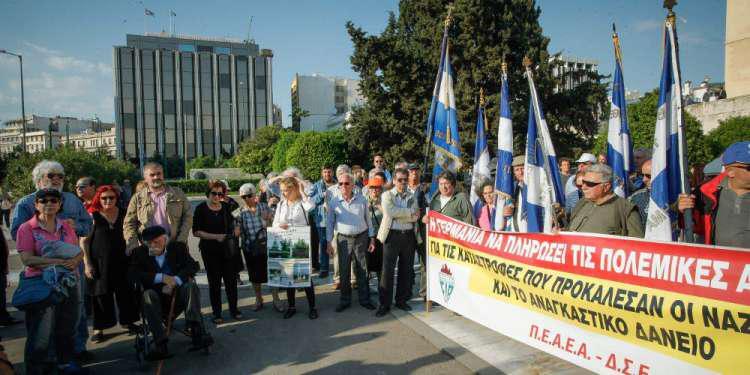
pixel 200 186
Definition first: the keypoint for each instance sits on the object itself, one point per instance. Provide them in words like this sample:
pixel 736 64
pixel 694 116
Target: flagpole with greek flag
pixel 480 172
pixel 668 165
pixel 429 128
pixel 444 124
pixel 619 144
pixel 504 171
pixel 543 186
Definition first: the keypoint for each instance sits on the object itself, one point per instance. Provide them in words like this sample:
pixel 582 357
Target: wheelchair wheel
pixel 142 348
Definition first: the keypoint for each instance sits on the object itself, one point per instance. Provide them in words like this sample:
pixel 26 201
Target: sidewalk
pixel 475 345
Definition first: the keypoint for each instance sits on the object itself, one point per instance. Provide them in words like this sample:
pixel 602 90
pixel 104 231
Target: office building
pixel 323 103
pixel 189 96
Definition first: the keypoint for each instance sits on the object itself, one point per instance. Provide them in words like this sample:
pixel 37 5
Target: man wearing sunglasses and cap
pixel 722 209
pixel 602 211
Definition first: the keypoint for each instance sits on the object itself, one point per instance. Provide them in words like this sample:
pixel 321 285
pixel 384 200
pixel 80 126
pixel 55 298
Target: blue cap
pixel 738 152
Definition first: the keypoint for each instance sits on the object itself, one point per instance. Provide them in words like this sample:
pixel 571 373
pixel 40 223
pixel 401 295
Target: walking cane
pixel 169 327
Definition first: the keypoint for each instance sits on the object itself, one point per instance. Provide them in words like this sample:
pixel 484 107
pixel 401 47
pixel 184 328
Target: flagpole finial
pixel 527 62
pixel 669 4
pixel 504 67
pixel 449 17
pixel 482 101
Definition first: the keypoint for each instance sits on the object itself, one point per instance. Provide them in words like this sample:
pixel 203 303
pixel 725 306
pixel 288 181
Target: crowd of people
pixel 117 255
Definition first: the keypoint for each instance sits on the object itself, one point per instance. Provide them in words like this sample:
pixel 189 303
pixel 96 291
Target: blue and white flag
pixel 504 172
pixel 619 144
pixel 667 163
pixel 444 122
pixel 481 170
pixel 543 186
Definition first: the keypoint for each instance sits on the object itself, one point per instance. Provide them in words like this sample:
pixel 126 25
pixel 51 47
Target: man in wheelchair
pixel 166 270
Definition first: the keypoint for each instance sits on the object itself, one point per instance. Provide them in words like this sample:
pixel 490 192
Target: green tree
pixel 255 154
pixel 77 163
pixel 397 72
pixel 313 150
pixel 280 149
pixel 731 130
pixel 642 123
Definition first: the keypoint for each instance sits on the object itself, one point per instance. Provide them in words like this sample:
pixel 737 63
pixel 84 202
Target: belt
pixel 402 231
pixel 353 235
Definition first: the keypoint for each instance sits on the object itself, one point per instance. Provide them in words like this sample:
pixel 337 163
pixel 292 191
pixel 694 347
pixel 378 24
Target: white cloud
pixel 647 25
pixel 41 49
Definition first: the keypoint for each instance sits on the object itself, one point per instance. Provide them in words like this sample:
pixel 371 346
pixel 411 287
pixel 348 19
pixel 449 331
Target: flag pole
pixel 688 235
pixel 433 106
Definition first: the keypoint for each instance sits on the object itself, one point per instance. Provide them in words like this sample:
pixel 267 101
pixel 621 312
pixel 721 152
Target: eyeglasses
pixel 591 183
pixel 79 187
pixel 402 179
pixel 344 183
pixel 105 199
pixel 53 175
pixel 647 175
pixel 217 194
pixel 246 196
pixel 48 200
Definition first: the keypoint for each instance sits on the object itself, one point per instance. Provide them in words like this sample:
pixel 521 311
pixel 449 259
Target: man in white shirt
pixel 348 215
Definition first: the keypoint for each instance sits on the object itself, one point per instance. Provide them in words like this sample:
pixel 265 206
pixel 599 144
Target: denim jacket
pixel 318 195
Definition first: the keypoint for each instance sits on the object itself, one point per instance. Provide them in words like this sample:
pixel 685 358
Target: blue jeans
pixel 82 325
pixel 324 261
pixel 49 335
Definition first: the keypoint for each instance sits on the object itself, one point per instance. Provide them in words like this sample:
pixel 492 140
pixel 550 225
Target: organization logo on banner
pixel 446 282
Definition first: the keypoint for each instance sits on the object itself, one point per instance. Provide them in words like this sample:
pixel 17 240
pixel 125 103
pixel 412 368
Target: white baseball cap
pixel 586 158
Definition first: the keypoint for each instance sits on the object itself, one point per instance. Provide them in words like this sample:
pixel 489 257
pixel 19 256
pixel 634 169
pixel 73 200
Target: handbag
pixel 33 293
pixel 230 244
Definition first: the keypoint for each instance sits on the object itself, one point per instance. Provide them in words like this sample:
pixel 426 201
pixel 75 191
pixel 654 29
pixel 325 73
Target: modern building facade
pixel 188 96
pixel 737 49
pixel 325 102
pixel 574 71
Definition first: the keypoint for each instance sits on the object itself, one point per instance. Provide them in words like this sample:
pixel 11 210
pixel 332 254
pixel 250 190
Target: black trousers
pixel 156 307
pixel 398 249
pixel 218 269
pixel 309 293
pixel 5 215
pixel 103 307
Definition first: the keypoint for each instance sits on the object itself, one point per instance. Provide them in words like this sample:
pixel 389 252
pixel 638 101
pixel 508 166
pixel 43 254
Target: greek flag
pixel 619 144
pixel 543 186
pixel 504 173
pixel 481 170
pixel 443 121
pixel 667 163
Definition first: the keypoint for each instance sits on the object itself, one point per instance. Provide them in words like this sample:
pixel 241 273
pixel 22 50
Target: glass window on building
pixel 149 91
pixel 126 58
pixel 184 47
pixel 147 59
pixel 207 108
pixel 222 50
pixel 205 48
pixel 188 107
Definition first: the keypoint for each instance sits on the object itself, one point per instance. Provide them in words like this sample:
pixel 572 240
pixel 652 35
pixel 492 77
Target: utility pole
pixel 23 104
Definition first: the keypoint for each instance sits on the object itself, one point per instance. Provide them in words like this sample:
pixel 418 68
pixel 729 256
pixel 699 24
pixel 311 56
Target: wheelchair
pixel 144 340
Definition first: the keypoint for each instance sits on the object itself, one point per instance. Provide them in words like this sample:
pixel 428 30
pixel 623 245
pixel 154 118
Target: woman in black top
pixel 213 223
pixel 106 265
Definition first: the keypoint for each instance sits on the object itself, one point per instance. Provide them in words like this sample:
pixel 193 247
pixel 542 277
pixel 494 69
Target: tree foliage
pixel 313 150
pixel 286 139
pixel 397 71
pixel 77 163
pixel 255 154
pixel 731 130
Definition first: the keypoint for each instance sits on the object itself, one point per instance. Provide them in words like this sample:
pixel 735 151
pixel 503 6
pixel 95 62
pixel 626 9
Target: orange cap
pixel 376 181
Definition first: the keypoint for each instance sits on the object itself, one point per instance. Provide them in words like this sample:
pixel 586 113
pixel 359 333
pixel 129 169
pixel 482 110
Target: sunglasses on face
pixel 48 200
pixel 591 183
pixel 645 175
pixel 247 196
pixel 344 183
pixel 217 193
pixel 53 175
pixel 402 179
pixel 107 199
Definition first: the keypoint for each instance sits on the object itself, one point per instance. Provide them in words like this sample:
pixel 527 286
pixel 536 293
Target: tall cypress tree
pixel 397 70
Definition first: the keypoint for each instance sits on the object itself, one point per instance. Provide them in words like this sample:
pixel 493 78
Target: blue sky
pixel 67 45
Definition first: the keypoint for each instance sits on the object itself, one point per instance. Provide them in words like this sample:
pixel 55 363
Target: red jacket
pixel 706 206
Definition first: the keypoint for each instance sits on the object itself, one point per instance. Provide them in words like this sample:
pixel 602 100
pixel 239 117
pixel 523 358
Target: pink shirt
pixel 160 209
pixel 484 218
pixel 31 237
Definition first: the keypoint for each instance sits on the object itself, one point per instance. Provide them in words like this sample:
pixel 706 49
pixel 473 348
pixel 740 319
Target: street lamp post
pixel 23 108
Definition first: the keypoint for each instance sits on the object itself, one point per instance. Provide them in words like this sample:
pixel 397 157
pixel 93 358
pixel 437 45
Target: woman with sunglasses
pixel 213 223
pixel 253 219
pixel 106 265
pixel 292 211
pixel 49 330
